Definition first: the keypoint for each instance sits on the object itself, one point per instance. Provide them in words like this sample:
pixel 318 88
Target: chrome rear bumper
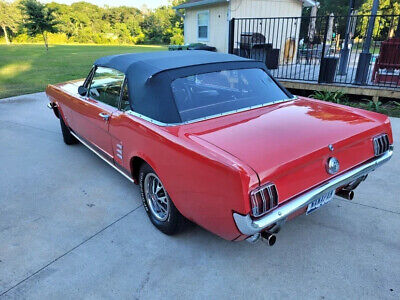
pixel 249 226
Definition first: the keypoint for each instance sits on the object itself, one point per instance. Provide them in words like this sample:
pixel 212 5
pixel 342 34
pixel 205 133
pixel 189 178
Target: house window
pixel 203 19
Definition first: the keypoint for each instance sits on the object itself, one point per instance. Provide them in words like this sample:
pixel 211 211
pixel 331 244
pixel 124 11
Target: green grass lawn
pixel 28 68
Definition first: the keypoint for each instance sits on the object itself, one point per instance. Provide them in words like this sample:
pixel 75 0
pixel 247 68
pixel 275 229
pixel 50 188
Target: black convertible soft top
pixel 149 76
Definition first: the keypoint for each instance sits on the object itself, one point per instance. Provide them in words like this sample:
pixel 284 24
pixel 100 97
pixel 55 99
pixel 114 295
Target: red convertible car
pixel 213 138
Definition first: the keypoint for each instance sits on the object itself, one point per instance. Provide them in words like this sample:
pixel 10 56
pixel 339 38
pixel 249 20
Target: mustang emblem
pixel 332 165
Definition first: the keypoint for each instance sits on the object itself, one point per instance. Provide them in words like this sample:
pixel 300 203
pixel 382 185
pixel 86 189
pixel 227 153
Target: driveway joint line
pixel 30 126
pixel 69 251
pixel 370 206
pixel 20 97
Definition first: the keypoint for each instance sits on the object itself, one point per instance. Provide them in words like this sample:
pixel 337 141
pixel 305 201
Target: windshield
pixel 208 94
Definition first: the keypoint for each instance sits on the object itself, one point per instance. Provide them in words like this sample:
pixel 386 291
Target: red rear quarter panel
pixel 205 183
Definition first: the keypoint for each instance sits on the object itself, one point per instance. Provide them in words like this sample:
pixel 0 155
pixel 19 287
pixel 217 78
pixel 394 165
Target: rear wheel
pixel 159 206
pixel 68 138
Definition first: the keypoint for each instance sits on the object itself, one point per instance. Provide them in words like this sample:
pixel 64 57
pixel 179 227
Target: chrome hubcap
pixel 156 197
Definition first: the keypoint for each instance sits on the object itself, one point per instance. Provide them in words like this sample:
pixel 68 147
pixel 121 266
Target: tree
pixel 39 19
pixel 384 26
pixel 177 19
pixel 9 18
pixel 340 9
pixel 337 7
pixel 130 16
pixel 163 24
pixel 82 22
pixel 177 36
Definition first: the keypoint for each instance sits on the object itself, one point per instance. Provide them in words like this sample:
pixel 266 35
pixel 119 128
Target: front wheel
pixel 159 206
pixel 68 138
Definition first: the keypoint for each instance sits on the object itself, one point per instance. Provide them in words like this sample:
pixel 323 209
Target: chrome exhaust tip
pixel 268 238
pixel 346 194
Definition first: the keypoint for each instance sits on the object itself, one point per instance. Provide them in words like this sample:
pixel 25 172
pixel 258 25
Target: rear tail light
pixel 263 199
pixel 381 144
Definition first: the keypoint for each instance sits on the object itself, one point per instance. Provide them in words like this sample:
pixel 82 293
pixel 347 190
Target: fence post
pixel 365 57
pixel 344 52
pixel 397 33
pixel 231 39
pixel 322 64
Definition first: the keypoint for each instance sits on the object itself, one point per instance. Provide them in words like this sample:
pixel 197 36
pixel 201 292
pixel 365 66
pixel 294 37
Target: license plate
pixel 319 202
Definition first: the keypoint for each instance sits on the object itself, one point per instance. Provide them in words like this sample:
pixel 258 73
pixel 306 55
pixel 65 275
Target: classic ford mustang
pixel 213 138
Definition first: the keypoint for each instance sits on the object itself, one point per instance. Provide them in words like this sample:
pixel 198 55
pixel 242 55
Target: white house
pixel 207 21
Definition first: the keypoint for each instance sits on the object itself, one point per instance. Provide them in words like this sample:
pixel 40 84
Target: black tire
pixel 174 221
pixel 68 138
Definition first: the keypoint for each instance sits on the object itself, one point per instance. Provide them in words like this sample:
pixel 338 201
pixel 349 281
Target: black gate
pixel 329 49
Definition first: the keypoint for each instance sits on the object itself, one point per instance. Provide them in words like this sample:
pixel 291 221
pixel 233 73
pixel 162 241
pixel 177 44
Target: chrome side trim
pixel 248 226
pixel 143 117
pixel 130 112
pixel 99 155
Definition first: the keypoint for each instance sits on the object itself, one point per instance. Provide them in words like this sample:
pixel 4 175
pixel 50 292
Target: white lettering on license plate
pixel 319 202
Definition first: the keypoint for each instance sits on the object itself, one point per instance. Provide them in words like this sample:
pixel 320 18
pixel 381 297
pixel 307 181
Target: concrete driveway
pixel 72 227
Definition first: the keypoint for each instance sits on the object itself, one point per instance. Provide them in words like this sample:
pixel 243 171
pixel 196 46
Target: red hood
pixel 279 139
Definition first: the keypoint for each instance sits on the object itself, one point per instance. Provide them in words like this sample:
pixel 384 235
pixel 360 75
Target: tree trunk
pixel 312 25
pixel 330 29
pixel 45 41
pixel 5 34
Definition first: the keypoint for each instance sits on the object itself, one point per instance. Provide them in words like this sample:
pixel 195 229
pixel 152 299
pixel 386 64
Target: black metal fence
pixel 329 49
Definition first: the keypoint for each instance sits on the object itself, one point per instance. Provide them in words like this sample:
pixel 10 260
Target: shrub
pixel 177 36
pixel 335 96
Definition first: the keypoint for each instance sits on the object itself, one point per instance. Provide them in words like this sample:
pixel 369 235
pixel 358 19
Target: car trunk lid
pixel 288 143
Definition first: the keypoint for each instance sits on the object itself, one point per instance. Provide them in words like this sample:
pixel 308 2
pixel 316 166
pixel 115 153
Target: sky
pixel 134 3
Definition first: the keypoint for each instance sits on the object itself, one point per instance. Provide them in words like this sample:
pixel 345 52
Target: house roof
pixel 194 3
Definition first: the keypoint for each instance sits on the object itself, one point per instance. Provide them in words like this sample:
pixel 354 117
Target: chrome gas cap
pixel 332 165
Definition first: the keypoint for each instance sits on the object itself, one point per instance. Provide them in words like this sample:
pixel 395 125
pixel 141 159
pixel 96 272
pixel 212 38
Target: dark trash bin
pixel 327 69
pixel 259 51
pixel 267 54
pixel 272 60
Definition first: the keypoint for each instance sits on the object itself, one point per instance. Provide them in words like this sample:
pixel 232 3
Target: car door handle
pixel 105 116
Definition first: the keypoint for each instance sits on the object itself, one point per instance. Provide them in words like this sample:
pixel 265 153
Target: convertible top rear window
pixel 204 95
